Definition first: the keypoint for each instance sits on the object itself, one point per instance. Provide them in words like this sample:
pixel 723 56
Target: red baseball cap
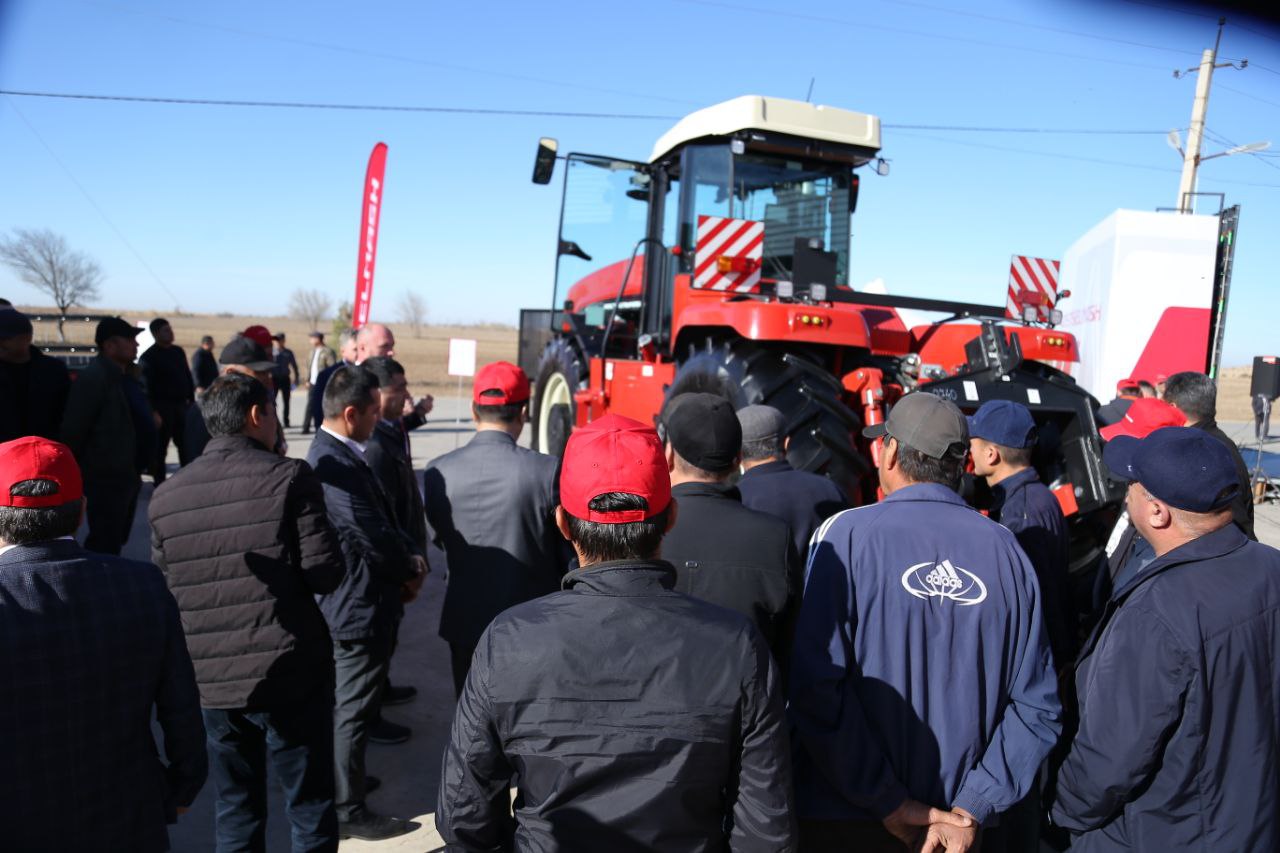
pixel 614 454
pixel 35 458
pixel 260 335
pixel 504 377
pixel 1144 416
pixel 1127 382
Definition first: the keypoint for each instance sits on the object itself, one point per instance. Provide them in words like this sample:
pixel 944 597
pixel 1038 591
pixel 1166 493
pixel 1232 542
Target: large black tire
pixel 821 427
pixel 561 372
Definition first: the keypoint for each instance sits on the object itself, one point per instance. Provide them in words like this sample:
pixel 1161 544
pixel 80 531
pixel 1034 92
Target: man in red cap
pixel 491 507
pixel 630 716
pixel 90 646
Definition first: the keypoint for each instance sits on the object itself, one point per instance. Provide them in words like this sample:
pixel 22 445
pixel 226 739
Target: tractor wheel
pixel 560 374
pixel 821 427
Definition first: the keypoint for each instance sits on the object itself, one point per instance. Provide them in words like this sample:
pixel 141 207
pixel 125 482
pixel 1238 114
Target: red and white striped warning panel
pixel 1032 282
pixel 728 254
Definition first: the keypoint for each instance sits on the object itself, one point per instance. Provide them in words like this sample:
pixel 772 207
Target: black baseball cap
pixel 13 323
pixel 246 353
pixel 114 327
pixel 704 430
pixel 1185 467
pixel 926 422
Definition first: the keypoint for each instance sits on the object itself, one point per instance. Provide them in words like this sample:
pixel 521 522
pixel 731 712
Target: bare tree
pixel 309 306
pixel 413 311
pixel 42 259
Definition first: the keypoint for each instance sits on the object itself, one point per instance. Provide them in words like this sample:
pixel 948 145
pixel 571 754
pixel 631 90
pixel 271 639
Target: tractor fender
pixel 780 322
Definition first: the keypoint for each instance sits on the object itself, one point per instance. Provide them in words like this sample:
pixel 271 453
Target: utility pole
pixel 1191 158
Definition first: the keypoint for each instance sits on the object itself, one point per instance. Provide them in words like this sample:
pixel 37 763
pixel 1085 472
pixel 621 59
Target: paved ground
pixel 410 771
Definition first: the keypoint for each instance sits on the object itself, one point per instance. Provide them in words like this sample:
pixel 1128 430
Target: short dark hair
pixel 350 385
pixel 5 303
pixel 505 414
pixel 919 467
pixel 635 540
pixel 765 448
pixel 226 404
pixel 384 368
pixel 23 525
pixel 1193 394
pixel 1144 385
pixel 207 339
pixel 1019 456
pixel 157 323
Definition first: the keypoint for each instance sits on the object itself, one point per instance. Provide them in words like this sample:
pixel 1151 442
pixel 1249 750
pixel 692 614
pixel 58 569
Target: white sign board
pixel 1141 290
pixel 462 357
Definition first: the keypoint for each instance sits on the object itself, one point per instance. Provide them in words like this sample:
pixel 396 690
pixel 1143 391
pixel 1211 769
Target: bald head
pixel 374 340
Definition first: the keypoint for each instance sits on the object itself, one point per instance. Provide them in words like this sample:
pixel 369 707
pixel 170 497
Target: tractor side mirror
pixel 882 167
pixel 545 161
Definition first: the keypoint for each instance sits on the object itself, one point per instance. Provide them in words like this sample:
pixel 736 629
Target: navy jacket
pixel 1026 506
pixel 921 666
pixel 802 499
pixel 316 397
pixel 375 549
pixel 632 718
pixel 89 646
pixel 1179 693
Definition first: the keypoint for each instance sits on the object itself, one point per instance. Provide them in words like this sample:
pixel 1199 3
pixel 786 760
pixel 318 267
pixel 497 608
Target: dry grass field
pixel 425 358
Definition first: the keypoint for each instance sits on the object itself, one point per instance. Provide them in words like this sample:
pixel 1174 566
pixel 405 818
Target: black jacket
pixel 389 458
pixel 90 647
pixel 1242 506
pixel 242 537
pixel 376 551
pixel 165 374
pixel 491 505
pixel 204 368
pixel 800 498
pixel 631 717
pixel 737 558
pixel 33 397
pixel 99 425
pixel 1178 743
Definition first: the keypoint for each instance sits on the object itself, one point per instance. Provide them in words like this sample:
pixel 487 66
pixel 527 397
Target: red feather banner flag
pixel 370 205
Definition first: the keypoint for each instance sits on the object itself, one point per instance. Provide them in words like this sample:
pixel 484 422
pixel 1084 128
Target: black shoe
pixel 306 431
pixel 386 732
pixel 371 783
pixel 368 826
pixel 393 695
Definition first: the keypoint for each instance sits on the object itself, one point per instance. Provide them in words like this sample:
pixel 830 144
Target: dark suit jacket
pixel 89 645
pixel 316 397
pixel 98 424
pixel 389 458
pixel 375 549
pixel 491 506
pixel 802 499
pixel 737 558
pixel 32 397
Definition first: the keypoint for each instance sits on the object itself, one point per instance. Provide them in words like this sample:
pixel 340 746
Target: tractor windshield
pixel 791 198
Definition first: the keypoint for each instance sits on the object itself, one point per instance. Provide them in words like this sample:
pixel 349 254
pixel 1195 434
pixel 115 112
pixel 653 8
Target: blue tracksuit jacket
pixel 921 666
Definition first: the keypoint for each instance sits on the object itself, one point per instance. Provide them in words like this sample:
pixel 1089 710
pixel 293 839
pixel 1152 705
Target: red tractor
pixel 723 264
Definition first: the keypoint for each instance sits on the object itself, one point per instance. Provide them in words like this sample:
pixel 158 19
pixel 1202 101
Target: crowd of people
pixel 669 639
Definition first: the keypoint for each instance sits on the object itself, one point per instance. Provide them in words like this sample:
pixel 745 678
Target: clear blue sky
pixel 230 209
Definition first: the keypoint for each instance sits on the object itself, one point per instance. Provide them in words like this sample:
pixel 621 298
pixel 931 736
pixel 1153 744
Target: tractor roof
pixel 776 115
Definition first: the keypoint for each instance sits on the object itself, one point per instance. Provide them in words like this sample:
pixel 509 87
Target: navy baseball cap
pixel 1003 422
pixel 1185 467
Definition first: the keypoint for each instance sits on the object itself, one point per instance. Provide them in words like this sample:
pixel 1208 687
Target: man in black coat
pixel 33 386
pixel 90 647
pixel 723 552
pixel 769 484
pixel 170 389
pixel 286 372
pixel 382 572
pixel 631 717
pixel 204 365
pixel 242 537
pixel 491 506
pixel 1177 686
pixel 1196 396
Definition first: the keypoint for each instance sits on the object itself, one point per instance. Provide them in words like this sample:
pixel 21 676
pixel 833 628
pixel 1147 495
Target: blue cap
pixel 1184 467
pixel 1003 422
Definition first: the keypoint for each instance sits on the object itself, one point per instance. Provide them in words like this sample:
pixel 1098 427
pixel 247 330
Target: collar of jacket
pixel 707 490
pixel 492 436
pixel 48 550
pixel 777 466
pixel 1000 491
pixel 622 577
pixel 238 441
pixel 325 438
pixel 931 492
pixel 1208 425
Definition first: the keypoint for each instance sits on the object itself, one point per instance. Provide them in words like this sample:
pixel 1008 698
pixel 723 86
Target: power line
pixel 1222 140
pixel 84 192
pixel 1264 68
pixel 948 37
pixel 1247 94
pixel 225 102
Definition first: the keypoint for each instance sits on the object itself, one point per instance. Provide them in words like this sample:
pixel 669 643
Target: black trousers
pixel 173 416
pixel 460 660
pixel 360 667
pixel 298 741
pixel 109 508
pixel 282 389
